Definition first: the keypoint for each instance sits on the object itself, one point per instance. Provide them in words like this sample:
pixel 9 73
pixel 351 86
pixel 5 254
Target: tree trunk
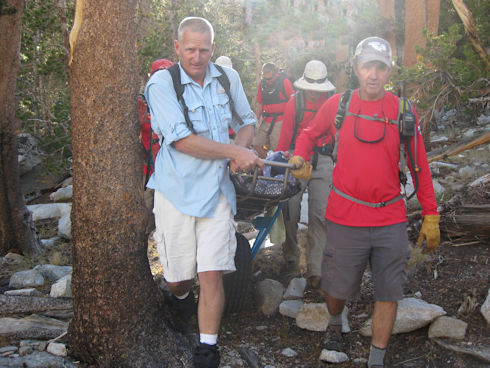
pixel 119 320
pixel 16 227
pixel 419 14
pixel 470 29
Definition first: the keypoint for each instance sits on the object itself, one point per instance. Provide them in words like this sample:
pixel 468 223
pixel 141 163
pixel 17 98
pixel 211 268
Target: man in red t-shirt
pixel 366 215
pixel 273 93
pixel 313 88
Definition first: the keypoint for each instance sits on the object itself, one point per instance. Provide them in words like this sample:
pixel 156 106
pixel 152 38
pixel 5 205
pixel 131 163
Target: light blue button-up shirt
pixel 191 184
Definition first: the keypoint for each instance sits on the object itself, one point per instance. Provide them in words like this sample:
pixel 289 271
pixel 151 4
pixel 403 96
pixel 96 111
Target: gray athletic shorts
pixel 348 251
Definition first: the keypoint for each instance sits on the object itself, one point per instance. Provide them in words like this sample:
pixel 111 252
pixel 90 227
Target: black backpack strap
pixel 282 88
pixel 344 102
pixel 225 83
pixel 179 91
pixel 299 103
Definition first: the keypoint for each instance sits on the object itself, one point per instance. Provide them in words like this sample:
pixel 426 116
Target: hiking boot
pixel 334 339
pixel 206 356
pixel 184 312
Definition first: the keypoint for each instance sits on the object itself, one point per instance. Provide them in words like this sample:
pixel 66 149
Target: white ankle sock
pixel 208 339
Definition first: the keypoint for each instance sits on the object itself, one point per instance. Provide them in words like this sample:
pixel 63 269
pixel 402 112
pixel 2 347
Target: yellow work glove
pixel 430 231
pixel 303 168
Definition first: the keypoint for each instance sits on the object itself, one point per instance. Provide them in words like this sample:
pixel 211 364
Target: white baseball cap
pixel 374 49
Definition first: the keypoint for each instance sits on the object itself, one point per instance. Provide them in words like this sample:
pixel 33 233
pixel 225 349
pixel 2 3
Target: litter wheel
pixel 237 284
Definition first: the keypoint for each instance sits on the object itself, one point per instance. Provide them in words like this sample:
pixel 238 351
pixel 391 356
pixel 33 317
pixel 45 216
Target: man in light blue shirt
pixel 194 198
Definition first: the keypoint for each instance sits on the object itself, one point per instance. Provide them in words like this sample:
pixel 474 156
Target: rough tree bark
pixel 119 320
pixel 470 29
pixel 16 227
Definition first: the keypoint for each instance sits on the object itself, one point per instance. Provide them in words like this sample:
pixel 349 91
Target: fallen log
pixel 467 221
pixel 31 304
pixel 480 352
pixel 458 148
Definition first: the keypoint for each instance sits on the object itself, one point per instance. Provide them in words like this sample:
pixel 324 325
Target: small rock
pixel 61 288
pixel 289 352
pixel 411 315
pixel 57 349
pixel 448 327
pixel 469 133
pixel 25 279
pixel 49 243
pixel 295 289
pixel 467 172
pixel 14 258
pixel 332 356
pixel 290 308
pixel 63 194
pixel 64 227
pixel 25 350
pixel 313 317
pixel 49 210
pixel 39 345
pixel 269 296
pixel 53 272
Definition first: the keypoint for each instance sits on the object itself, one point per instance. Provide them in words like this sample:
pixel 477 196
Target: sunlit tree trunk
pixel 16 227
pixel 470 29
pixel 119 320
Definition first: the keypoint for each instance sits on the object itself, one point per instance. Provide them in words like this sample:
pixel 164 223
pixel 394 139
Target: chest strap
pixel 369 204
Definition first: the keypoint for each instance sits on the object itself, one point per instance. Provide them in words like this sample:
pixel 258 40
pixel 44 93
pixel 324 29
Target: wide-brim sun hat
pixel 224 61
pixel 374 49
pixel 315 78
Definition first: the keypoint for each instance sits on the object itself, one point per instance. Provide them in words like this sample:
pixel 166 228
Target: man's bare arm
pixel 200 147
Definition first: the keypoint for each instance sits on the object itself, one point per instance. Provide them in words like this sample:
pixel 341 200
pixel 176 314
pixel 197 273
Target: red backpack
pixel 148 137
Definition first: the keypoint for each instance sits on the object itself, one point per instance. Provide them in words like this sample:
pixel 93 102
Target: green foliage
pixel 447 74
pixel 5 9
pixel 42 86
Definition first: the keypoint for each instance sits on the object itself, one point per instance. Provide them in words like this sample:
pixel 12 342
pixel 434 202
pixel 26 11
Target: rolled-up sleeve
pixel 167 117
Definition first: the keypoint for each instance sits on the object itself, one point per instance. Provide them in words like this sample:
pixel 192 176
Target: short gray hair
pixel 195 24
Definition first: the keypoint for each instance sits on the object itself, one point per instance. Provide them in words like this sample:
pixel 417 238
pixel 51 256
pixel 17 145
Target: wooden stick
pixel 484 138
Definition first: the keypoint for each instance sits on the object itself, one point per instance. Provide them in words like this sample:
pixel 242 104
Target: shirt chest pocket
pixel 196 115
pixel 223 110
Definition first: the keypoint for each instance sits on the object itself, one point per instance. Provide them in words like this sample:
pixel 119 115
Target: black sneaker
pixel 206 356
pixel 184 312
pixel 334 339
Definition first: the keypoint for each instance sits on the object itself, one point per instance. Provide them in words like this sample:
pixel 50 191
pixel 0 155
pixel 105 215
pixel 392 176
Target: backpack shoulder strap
pixel 225 83
pixel 179 91
pixel 299 104
pixel 344 102
pixel 282 78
